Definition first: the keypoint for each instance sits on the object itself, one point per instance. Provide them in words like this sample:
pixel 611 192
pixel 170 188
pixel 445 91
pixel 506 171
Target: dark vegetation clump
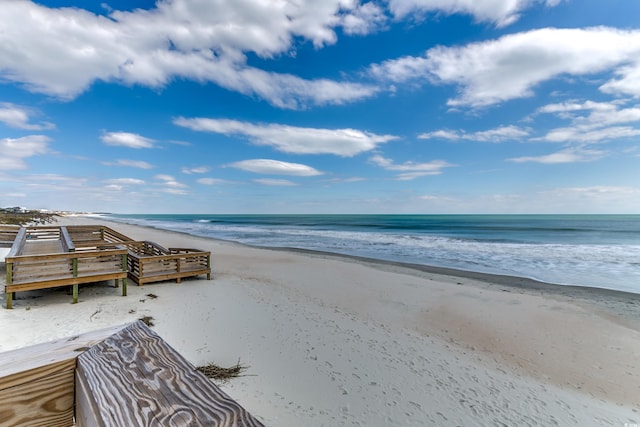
pixel 221 374
pixel 147 320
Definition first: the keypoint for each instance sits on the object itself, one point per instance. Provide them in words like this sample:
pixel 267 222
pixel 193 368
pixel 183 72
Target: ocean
pixel 585 250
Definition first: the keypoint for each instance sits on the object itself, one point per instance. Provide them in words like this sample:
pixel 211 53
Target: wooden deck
pixel 46 257
pixel 120 376
pixel 50 256
pixel 149 262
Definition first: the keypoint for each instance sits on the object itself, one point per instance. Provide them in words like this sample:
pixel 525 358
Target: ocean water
pixel 585 250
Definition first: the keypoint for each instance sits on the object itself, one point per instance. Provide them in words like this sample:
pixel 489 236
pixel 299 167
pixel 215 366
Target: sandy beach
pixel 341 341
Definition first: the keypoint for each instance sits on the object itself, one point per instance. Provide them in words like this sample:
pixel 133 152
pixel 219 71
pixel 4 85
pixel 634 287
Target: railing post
pixel 74 268
pixel 124 280
pixel 9 295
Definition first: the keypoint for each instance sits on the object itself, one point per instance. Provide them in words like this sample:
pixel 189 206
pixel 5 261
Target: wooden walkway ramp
pixel 124 376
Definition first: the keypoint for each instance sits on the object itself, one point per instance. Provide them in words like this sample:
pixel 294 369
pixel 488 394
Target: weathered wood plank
pixel 37 382
pixel 26 363
pixel 67 243
pixel 64 281
pixel 134 378
pixel 48 402
pixel 174 263
pixel 8 234
pixel 18 243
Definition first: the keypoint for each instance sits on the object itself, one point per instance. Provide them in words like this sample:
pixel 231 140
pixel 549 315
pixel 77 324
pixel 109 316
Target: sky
pixel 320 106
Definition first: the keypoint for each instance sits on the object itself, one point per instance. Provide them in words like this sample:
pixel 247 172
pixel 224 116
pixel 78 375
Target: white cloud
pixel 126 139
pixel 20 117
pixel 291 139
pixel 592 122
pixel 170 185
pixel 13 152
pixel 275 182
pixel 510 67
pixel 499 134
pixel 140 164
pixel 499 12
pixel 601 192
pixel 124 181
pixel 70 48
pixel 411 170
pixel 628 82
pixel 164 177
pixel 436 198
pixel 569 155
pixel 199 169
pixel 443 134
pixel 589 135
pixel 364 19
pixel 210 181
pixel 275 167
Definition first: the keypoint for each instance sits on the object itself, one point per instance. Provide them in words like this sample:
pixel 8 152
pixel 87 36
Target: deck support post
pixel 74 268
pixel 9 295
pixel 124 279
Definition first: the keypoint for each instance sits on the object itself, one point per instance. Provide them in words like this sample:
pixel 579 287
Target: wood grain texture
pixel 41 360
pixel 37 382
pixel 8 234
pixel 134 378
pixel 47 402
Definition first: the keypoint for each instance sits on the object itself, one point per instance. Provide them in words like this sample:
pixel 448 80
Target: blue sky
pixel 333 106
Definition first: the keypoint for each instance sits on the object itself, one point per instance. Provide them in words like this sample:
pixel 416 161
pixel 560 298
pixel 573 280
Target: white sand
pixel 334 341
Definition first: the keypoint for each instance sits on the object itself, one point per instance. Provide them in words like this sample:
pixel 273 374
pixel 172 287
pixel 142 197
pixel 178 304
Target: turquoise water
pixel 584 250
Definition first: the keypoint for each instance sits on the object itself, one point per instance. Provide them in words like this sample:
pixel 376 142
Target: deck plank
pixel 42 247
pixel 136 378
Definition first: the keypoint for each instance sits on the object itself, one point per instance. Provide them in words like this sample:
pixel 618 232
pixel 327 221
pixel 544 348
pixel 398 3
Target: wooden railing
pixel 27 270
pixel 31 272
pixel 91 236
pixel 150 262
pixel 121 376
pixel 8 235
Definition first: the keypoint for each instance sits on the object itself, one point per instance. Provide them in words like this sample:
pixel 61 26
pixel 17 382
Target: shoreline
pixel 341 340
pixel 496 278
pixel 623 303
